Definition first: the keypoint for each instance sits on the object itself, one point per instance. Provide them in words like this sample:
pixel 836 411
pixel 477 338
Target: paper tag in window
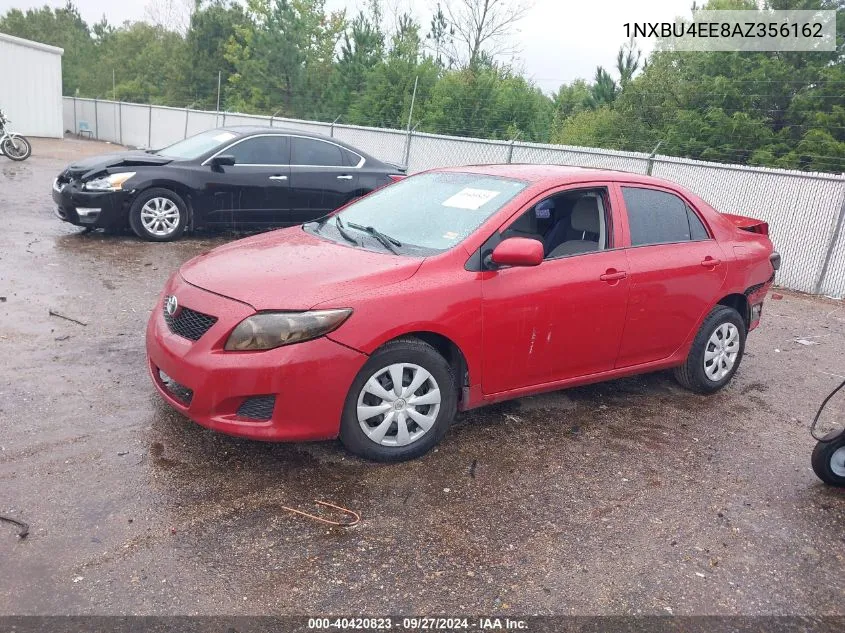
pixel 224 136
pixel 471 199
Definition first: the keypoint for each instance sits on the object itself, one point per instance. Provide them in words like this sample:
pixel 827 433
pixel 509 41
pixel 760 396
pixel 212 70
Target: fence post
pixel 273 116
pixel 75 125
pixel 510 147
pixel 833 241
pixel 224 120
pixel 331 129
pixel 187 112
pixel 150 128
pixel 651 158
pixel 120 121
pixel 408 145
pixel 96 121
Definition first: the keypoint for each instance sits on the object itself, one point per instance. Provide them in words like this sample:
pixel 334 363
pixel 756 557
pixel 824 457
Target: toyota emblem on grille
pixel 171 305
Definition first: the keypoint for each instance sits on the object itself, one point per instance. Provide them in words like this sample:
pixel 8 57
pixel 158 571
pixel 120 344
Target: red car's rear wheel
pixel 716 352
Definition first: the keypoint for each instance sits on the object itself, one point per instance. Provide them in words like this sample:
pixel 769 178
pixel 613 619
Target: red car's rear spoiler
pixel 745 223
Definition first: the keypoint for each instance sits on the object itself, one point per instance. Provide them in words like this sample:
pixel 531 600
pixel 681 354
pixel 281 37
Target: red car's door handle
pixel 613 275
pixel 710 262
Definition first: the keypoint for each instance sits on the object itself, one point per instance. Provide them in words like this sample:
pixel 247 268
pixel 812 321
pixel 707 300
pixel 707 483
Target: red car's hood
pixel 292 270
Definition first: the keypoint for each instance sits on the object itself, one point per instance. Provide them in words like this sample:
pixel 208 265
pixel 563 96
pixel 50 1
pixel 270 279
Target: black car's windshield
pixel 432 212
pixel 197 145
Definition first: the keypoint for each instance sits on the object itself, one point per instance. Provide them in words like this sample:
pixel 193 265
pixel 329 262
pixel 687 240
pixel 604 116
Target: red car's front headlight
pixel 268 330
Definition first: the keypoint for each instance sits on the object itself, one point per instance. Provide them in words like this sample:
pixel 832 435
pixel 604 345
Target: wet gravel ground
pixel 630 497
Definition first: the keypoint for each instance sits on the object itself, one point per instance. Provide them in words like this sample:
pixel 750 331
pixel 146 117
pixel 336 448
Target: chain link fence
pixel 804 210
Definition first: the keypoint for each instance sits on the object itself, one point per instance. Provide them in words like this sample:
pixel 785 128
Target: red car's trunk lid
pixel 752 225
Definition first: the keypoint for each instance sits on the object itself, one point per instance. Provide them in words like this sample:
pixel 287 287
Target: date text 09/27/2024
pixel 419 624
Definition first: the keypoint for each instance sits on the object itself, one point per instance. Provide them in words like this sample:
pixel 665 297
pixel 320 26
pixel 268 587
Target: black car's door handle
pixel 344 177
pixel 278 177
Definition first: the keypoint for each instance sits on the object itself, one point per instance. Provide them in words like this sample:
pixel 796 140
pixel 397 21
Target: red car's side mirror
pixel 518 251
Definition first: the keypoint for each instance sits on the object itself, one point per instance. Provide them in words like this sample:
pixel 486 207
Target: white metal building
pixel 31 86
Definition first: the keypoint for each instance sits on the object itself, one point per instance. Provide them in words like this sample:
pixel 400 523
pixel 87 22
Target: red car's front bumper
pixel 309 381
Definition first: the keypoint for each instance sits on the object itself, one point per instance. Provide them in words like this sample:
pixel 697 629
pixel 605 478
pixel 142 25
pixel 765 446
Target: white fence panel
pixel 68 118
pixel 429 151
pixel 833 284
pixel 313 127
pixel 168 126
pixel 85 113
pixel 107 121
pixel 134 127
pixel 388 145
pixel 200 121
pixel 564 155
pixel 244 119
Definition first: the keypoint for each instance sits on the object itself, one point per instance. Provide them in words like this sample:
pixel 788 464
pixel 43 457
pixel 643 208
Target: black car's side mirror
pixel 222 160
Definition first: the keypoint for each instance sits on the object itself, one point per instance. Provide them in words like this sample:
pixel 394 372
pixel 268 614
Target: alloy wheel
pixel 160 216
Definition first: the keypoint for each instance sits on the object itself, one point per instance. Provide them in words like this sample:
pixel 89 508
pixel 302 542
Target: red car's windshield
pixel 431 212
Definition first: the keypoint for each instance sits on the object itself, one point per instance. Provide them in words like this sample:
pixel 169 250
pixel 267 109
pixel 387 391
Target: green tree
pixel 273 53
pixel 389 84
pixel 627 63
pixel 441 39
pixel 488 101
pixel 362 48
pixel 604 89
pixel 147 61
pixel 214 26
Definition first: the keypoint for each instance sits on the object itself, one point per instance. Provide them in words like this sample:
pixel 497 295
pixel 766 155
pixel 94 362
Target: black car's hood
pixel 121 159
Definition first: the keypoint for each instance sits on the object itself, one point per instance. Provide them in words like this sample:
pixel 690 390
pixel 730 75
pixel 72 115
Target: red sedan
pixel 453 289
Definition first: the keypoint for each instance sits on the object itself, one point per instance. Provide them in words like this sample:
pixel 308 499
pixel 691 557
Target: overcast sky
pixel 559 40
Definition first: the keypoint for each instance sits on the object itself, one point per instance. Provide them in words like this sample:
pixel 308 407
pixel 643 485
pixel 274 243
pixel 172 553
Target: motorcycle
pixel 13 145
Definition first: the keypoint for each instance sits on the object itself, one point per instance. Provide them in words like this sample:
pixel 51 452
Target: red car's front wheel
pixel 400 403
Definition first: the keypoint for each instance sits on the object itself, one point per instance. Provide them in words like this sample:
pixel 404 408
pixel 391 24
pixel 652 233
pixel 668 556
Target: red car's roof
pixel 556 174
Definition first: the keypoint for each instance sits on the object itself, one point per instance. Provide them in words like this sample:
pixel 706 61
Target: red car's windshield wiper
pixel 343 233
pixel 388 242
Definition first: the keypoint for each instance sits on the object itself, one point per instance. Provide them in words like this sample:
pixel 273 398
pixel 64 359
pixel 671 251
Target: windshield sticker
pixel 450 235
pixel 224 136
pixel 471 199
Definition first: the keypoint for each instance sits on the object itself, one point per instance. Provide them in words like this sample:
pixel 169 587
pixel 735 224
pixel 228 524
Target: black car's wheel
pixel 400 403
pixel 828 459
pixel 716 352
pixel 158 215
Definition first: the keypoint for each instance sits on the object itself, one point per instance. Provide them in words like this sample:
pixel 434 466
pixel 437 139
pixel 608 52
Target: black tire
pixel 823 457
pixel 692 374
pixel 406 350
pixel 16 154
pixel 143 198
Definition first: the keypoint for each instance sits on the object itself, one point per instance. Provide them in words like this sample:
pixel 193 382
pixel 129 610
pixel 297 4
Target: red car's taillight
pixel 396 177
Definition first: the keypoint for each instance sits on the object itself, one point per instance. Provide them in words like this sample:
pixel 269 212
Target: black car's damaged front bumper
pixel 95 209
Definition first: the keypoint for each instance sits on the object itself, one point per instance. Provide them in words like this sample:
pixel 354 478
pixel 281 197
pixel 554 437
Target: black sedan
pixel 234 177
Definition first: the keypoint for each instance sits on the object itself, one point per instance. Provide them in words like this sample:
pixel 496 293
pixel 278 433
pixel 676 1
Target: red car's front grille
pixel 189 324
